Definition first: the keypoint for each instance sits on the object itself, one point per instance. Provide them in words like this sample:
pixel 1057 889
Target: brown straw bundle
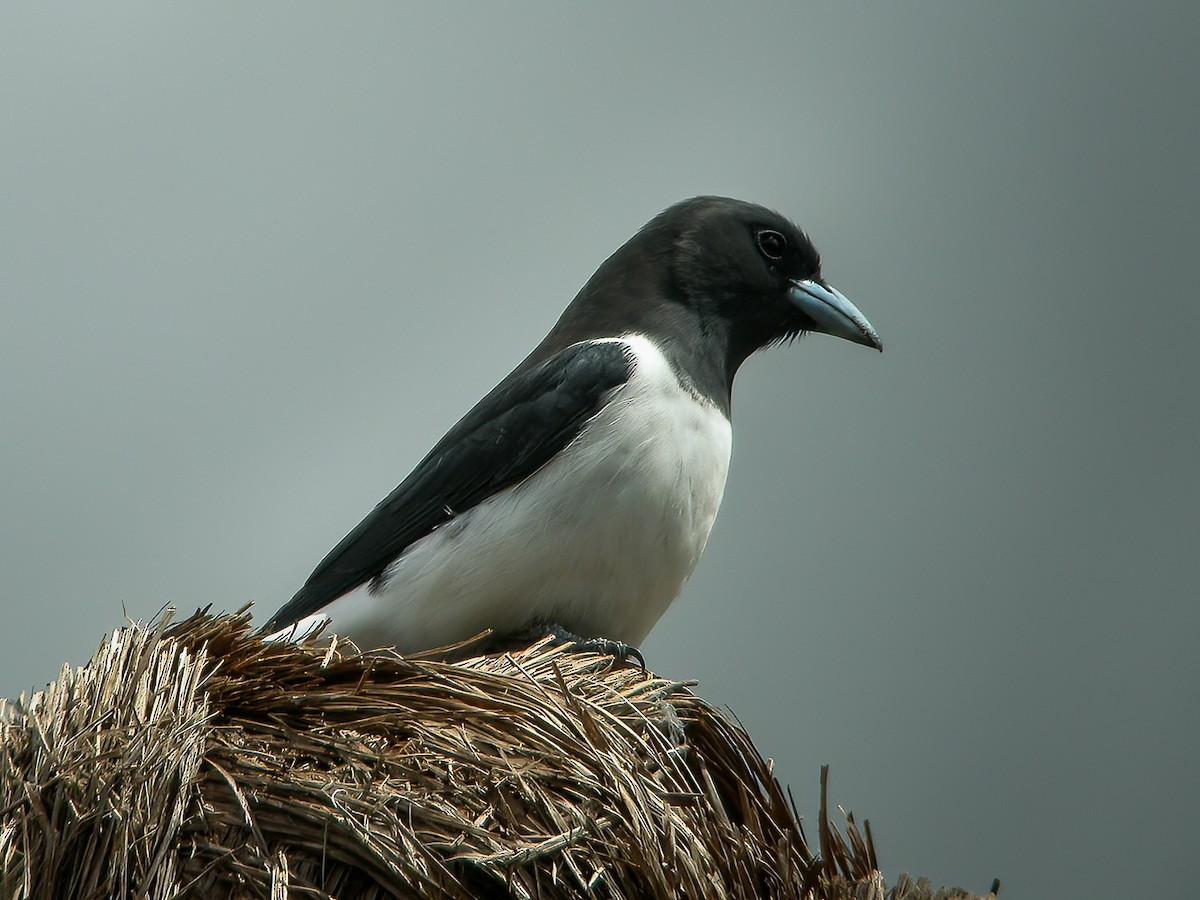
pixel 196 761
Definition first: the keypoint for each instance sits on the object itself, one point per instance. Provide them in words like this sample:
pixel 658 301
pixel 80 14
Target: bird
pixel 574 500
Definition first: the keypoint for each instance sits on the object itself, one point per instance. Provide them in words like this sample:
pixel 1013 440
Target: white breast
pixel 600 540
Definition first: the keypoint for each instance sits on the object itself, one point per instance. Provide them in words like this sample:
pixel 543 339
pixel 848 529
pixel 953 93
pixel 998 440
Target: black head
pixel 756 273
pixel 711 280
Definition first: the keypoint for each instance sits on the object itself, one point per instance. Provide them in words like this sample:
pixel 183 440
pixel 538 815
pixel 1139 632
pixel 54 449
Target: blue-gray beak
pixel 832 313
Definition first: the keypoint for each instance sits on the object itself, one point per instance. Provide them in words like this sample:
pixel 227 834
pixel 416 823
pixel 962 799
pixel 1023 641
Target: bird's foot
pixel 618 649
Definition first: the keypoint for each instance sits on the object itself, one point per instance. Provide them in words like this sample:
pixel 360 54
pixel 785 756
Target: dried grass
pixel 196 761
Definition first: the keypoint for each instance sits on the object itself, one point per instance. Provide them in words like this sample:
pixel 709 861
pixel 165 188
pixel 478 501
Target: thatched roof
pixel 196 761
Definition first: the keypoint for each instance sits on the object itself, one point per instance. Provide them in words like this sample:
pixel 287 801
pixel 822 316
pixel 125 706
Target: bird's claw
pixel 604 646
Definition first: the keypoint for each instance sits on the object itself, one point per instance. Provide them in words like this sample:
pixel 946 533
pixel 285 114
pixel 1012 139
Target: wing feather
pixel 510 434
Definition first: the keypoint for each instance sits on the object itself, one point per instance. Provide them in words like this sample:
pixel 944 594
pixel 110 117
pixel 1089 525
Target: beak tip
pixel 870 339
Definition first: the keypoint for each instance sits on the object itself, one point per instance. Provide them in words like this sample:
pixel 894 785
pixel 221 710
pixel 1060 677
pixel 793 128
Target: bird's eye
pixel 772 244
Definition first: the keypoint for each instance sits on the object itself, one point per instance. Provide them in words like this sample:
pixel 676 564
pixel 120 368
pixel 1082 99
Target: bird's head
pixel 716 279
pixel 756 273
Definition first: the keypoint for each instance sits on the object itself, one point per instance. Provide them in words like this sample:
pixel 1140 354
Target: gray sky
pixel 256 258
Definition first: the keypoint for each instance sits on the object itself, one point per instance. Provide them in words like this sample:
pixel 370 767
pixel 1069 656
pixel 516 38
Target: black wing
pixel 510 434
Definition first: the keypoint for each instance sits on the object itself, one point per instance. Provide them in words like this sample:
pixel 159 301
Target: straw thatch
pixel 196 761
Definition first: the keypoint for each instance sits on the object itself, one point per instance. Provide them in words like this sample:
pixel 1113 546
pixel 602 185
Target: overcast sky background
pixel 256 258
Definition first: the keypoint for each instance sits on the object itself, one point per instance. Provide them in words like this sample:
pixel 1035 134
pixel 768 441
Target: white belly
pixel 600 540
